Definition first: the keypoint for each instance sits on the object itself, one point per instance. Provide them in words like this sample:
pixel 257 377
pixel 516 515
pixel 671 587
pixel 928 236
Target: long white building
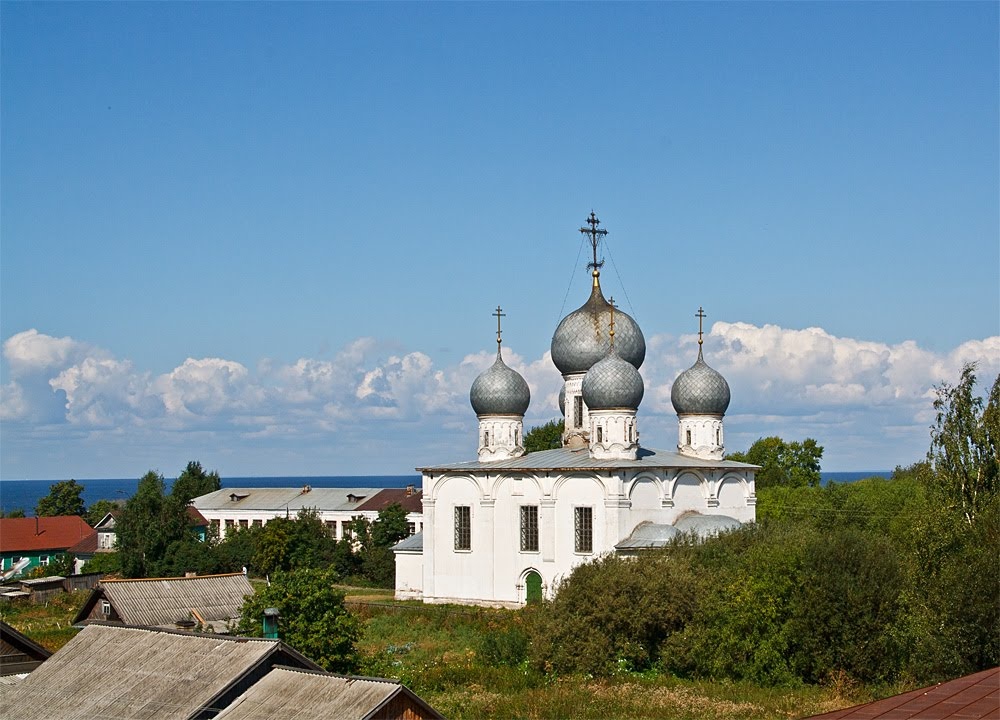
pixel 504 528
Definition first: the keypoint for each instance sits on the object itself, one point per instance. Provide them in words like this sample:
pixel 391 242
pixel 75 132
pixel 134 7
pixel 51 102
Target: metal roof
pixel 570 459
pixel 42 533
pixel 286 692
pixel 163 601
pixel 413 543
pixel 278 499
pixel 705 525
pixel 139 673
pixel 648 535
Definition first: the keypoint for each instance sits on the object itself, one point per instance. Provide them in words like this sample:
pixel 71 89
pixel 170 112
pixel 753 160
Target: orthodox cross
pixel 595 235
pixel 701 316
pixel 499 314
pixel 612 303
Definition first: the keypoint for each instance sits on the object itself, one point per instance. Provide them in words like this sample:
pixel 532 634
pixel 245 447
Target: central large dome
pixel 582 339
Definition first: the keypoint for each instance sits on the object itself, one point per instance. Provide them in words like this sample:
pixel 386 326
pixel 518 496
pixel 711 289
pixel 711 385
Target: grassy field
pixel 439 652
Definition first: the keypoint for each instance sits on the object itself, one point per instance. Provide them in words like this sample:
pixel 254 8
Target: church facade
pixel 504 528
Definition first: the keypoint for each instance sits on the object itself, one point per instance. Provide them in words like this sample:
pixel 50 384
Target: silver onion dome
pixel 612 383
pixel 562 400
pixel 499 391
pixel 581 339
pixel 700 390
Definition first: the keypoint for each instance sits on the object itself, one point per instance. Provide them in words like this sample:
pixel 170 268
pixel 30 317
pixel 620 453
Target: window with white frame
pixel 43 560
pixel 529 528
pixel 463 527
pixel 583 529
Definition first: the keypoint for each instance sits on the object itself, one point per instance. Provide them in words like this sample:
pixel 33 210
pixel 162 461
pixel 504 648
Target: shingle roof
pixel 278 499
pixel 570 459
pixel 973 697
pixel 410 501
pixel 163 601
pixel 290 693
pixel 140 673
pixel 42 533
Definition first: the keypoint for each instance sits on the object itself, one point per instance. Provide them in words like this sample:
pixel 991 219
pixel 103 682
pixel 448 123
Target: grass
pixel 439 651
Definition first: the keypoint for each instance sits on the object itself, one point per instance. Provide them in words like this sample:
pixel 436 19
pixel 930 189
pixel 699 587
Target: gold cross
pixel 701 316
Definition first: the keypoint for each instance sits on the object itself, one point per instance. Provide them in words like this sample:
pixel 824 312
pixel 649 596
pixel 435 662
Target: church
pixel 505 528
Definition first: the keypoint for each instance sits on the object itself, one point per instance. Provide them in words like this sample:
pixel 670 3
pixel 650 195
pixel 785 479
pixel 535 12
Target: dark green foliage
pixel 504 639
pixel 97 511
pixel 238 549
pixel 794 464
pixel 15 513
pixel 390 527
pixel 194 482
pixel 64 498
pixel 313 618
pixel 544 437
pixel 293 543
pixel 150 525
pixel 107 563
pixel 614 614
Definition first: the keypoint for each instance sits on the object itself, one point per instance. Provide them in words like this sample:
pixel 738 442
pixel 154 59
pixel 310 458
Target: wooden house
pixel 19 653
pixel 32 542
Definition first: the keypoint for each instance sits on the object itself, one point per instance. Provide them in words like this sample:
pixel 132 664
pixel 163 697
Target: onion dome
pixel 612 383
pixel 500 391
pixel 581 339
pixel 562 400
pixel 700 390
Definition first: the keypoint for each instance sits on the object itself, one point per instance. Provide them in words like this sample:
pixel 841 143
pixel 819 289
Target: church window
pixel 529 528
pixel 463 527
pixel 578 411
pixel 600 434
pixel 688 436
pixel 486 438
pixel 718 436
pixel 583 522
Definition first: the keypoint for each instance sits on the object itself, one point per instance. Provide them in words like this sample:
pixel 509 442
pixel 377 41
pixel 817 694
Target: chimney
pixel 410 489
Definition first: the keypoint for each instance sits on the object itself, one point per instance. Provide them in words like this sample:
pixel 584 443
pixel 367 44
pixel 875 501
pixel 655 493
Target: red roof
pixel 43 533
pixel 410 500
pixel 87 545
pixel 972 697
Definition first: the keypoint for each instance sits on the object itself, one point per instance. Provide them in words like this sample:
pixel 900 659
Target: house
pixel 145 673
pixel 208 602
pixel 107 531
pixel 337 507
pixel 310 695
pixel 19 654
pixel 504 528
pixel 973 697
pixel 32 542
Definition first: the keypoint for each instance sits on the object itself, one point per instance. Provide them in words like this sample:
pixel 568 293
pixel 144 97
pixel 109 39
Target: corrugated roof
pixel 278 499
pixel 136 673
pixel 163 601
pixel 570 459
pixel 410 501
pixel 973 697
pixel 42 533
pixel 288 693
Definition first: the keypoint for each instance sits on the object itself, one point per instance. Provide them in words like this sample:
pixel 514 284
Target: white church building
pixel 503 529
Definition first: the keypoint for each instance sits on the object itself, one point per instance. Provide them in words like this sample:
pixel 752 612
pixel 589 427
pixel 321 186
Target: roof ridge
pixel 181 577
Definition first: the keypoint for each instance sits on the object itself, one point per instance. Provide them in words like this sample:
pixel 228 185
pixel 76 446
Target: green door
pixel 533 583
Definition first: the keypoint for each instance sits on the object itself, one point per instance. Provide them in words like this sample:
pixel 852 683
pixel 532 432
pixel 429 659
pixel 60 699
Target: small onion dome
pixel 562 399
pixel 499 391
pixel 612 383
pixel 581 339
pixel 700 390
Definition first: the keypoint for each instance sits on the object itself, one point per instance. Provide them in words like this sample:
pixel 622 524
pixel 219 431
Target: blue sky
pixel 270 236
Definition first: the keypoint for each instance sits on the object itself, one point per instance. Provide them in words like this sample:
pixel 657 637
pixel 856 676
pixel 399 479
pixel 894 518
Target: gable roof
pixel 145 673
pixel 411 501
pixel 280 500
pixel 570 459
pixel 32 534
pixel 163 601
pixel 288 692
pixel 87 545
pixel 19 653
pixel 971 697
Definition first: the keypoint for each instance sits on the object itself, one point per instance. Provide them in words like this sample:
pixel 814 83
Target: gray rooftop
pixel 289 693
pixel 413 543
pixel 569 459
pixel 278 499
pixel 123 672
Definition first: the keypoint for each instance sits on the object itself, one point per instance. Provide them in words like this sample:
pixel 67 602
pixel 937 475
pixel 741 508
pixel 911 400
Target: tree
pixel 64 498
pixel 964 444
pixel 149 523
pixel 390 527
pixel 15 513
pixel 293 543
pixel 794 464
pixel 544 437
pixel 193 482
pixel 313 619
pixel 97 511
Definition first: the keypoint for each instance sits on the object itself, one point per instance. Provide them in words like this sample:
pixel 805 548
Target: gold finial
pixel 701 316
pixel 596 235
pixel 612 303
pixel 499 314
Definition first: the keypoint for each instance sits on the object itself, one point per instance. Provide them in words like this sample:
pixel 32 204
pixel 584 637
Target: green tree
pixel 194 482
pixel 98 509
pixel 964 437
pixel 390 527
pixel 64 498
pixel 292 543
pixel 313 619
pixel 106 563
pixel 15 513
pixel 149 523
pixel 794 464
pixel 544 437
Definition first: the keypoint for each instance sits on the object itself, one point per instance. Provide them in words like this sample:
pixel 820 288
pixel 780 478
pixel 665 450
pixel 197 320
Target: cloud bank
pixel 70 408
